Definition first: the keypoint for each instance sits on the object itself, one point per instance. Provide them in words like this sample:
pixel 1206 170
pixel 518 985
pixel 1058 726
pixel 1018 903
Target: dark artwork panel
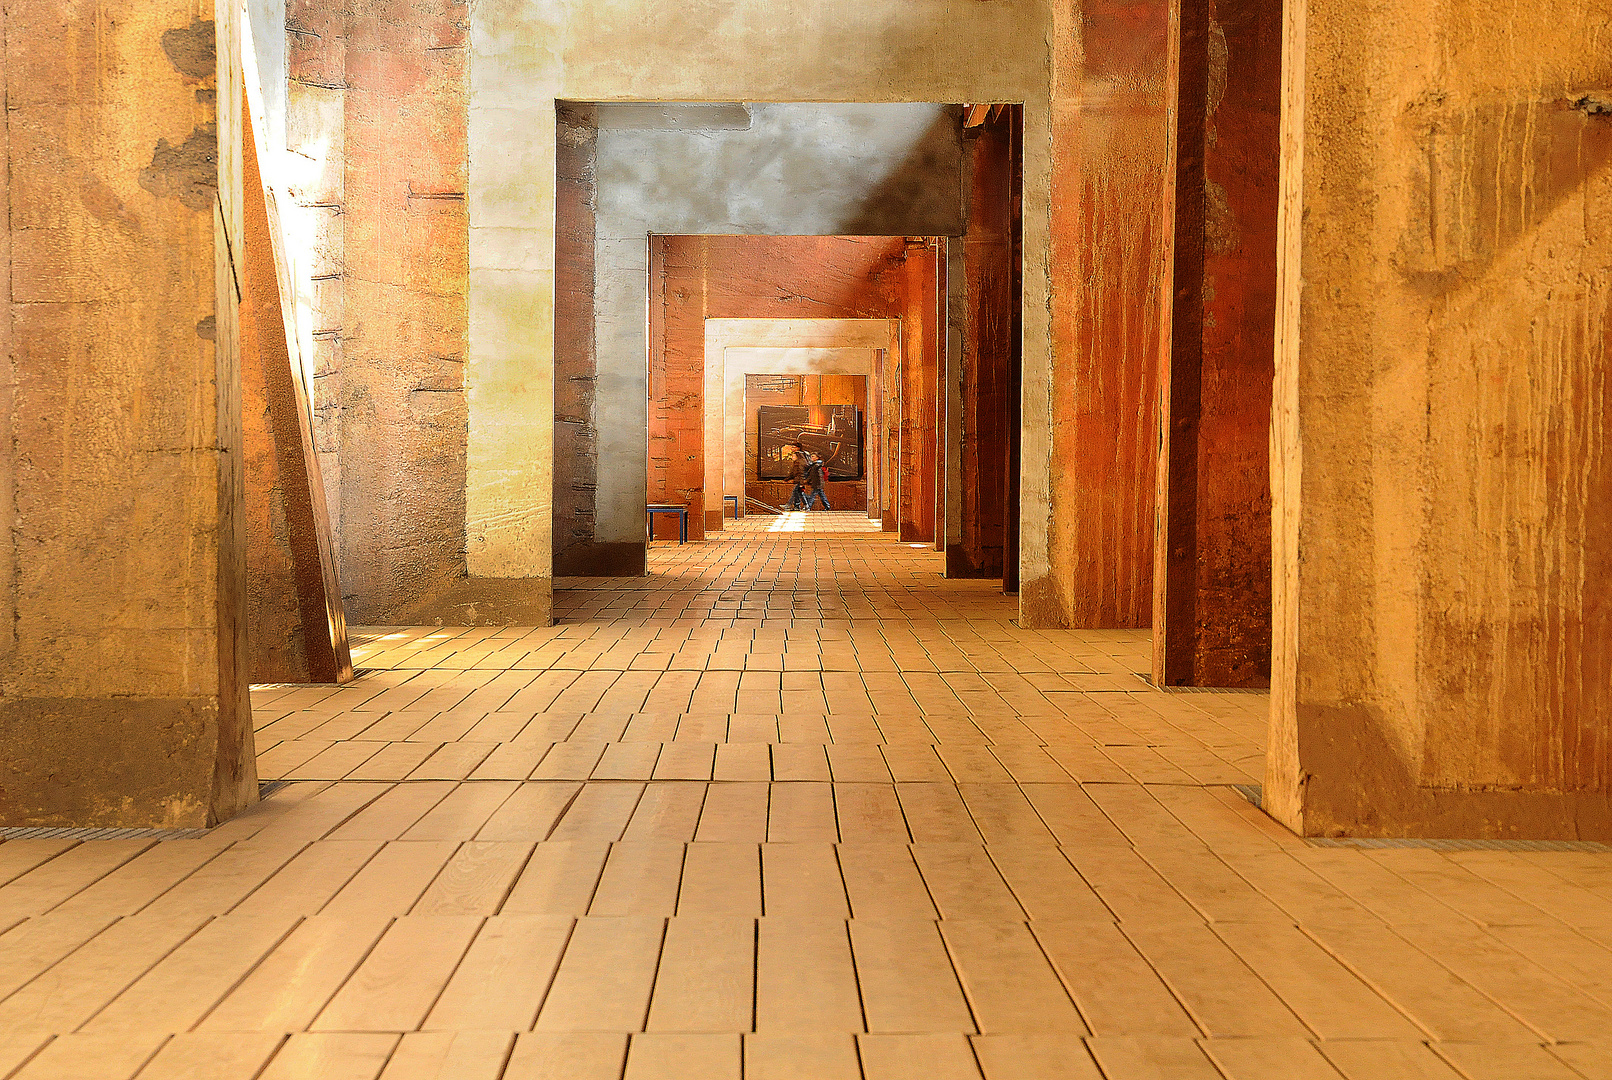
pixel 832 432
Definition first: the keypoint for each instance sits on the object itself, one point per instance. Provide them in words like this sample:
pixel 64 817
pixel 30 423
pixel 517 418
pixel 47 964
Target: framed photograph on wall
pixel 832 432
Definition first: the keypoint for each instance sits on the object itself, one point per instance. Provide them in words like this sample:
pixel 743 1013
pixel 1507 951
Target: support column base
pixel 130 763
pixel 627 559
pixel 1343 809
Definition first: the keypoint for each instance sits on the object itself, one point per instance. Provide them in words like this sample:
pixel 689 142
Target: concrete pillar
pixel 405 412
pixel 987 354
pixel 123 690
pixel 951 397
pixel 920 388
pixel 1212 574
pixel 890 441
pixel 1443 593
pixel 680 283
pixel 576 361
pixel 872 435
pixel 1110 172
pixel 1019 404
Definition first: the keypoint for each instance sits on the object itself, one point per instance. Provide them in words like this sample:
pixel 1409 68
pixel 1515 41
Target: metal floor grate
pixel 50 833
pixel 1250 792
pixel 47 832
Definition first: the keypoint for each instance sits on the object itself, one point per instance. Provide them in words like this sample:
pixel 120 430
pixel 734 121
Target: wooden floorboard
pixel 784 810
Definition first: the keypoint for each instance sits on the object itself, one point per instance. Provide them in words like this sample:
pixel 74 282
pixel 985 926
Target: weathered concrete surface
pixel 871 169
pixel 743 277
pixel 264 37
pixel 404 412
pixel 950 527
pixel 1110 146
pixel 1212 575
pixel 576 375
pixel 122 682
pixel 297 629
pixel 380 274
pixel 679 290
pixel 887 436
pixel 527 56
pixel 920 391
pixel 1022 405
pixel 987 355
pixel 1442 483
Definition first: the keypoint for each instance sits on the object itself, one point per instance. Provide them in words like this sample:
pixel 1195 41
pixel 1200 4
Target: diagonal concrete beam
pixel 297 627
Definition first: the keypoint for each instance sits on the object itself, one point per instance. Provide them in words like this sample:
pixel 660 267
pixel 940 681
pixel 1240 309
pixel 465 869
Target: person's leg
pixel 797 501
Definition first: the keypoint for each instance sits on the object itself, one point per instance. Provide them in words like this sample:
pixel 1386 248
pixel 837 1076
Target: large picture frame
pixel 832 432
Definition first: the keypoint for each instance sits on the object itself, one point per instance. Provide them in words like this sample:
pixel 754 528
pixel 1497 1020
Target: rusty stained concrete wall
pixel 1212 575
pixel 887 437
pixel 1443 629
pixel 919 378
pixel 124 554
pixel 680 284
pixel 746 277
pixel 975 550
pixel 1094 504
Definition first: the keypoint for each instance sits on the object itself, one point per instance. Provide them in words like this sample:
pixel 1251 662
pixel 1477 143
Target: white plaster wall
pixel 526 54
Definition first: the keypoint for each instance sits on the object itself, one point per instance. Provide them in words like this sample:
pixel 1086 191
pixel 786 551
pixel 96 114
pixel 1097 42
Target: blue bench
pixel 670 508
pixel 734 499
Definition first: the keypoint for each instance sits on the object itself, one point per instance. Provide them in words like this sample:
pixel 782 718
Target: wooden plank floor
pixel 784 809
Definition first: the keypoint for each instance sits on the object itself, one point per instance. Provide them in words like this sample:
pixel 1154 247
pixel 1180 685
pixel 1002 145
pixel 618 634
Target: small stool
pixel 734 499
pixel 670 508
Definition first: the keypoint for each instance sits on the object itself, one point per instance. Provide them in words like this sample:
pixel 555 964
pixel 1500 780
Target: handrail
pixel 757 502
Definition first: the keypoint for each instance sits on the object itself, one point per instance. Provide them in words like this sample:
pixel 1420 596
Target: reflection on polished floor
pixel 785 809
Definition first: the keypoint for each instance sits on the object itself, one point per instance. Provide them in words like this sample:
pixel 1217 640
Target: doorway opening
pixel 808 241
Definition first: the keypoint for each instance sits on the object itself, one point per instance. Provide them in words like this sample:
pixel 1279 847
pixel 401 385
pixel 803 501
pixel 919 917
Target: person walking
pixel 797 474
pixel 816 475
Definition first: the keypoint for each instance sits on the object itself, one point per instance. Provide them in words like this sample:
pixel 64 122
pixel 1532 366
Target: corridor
pixel 794 809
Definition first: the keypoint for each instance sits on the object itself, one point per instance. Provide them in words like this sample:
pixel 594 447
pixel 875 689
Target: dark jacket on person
pixel 814 473
pixel 797 470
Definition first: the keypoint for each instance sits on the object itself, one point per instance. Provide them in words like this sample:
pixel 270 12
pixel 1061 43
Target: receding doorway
pixel 824 415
